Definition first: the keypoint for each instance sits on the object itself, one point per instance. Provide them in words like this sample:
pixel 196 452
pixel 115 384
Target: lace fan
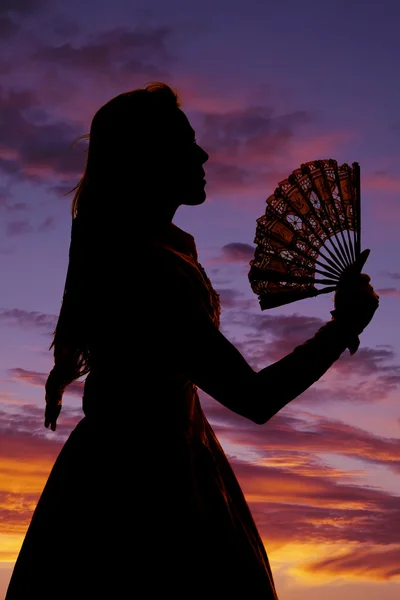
pixel 308 240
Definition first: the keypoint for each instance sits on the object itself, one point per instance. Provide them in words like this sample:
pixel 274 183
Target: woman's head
pixel 142 148
pixel 142 160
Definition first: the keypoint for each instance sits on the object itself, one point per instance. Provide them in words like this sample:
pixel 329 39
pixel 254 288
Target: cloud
pixel 25 462
pixel 8 28
pixel 22 7
pixel 298 501
pixel 394 292
pixel 29 319
pixel 29 377
pixel 295 498
pixel 39 123
pixel 33 151
pixel 370 375
pixel 382 182
pixel 231 298
pixel 251 130
pixel 6 203
pixel 380 564
pixel 117 52
pixel 298 437
pixel 390 274
pixel 237 252
pixel 21 227
pixel 252 148
pixel 271 337
pixel 243 144
pixel 47 224
pixel 369 361
pixel 39 379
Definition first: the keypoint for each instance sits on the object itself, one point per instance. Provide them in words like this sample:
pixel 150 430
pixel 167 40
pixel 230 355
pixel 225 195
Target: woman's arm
pixel 218 368
pixel 215 365
pixel 62 374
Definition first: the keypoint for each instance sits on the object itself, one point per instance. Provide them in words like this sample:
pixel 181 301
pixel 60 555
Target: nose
pixel 203 155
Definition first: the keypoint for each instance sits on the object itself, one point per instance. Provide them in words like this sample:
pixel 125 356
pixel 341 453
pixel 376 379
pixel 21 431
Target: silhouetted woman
pixel 141 501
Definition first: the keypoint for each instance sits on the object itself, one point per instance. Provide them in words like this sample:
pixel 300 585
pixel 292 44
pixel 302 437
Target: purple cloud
pixel 237 252
pixel 32 151
pixel 47 224
pixel 119 54
pixel 21 227
pixel 29 319
pixel 22 6
pixel 8 28
pixel 390 274
pixel 39 379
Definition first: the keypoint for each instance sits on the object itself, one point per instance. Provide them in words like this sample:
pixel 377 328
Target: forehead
pixel 182 125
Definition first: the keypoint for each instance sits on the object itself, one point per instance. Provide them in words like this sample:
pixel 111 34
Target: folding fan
pixel 308 240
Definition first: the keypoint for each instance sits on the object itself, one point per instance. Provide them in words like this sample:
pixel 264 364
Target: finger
pixel 365 277
pixel 362 259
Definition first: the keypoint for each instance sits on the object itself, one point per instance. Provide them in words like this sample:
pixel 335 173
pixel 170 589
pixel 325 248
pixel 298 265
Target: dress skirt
pixel 106 526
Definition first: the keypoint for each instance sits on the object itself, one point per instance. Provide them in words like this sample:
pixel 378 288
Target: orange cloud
pixel 25 464
pixel 360 562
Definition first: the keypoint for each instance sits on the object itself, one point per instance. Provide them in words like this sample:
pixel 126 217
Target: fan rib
pixel 345 251
pixel 260 274
pixel 276 299
pixel 349 225
pixel 332 278
pixel 334 262
pixel 333 269
pixel 357 206
pixel 338 258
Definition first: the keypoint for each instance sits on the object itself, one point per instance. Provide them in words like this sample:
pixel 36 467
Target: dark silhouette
pixel 141 501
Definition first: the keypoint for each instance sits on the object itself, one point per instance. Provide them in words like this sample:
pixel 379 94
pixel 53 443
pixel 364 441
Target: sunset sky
pixel 267 85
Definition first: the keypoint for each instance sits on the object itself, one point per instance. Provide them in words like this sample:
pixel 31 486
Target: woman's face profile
pixel 184 160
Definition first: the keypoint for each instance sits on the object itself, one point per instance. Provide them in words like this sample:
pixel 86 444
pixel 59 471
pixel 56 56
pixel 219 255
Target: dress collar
pixel 174 237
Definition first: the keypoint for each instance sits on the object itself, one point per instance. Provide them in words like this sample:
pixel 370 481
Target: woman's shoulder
pixel 169 260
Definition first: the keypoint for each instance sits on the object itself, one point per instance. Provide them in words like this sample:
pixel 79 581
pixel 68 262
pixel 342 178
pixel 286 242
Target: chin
pixel 195 198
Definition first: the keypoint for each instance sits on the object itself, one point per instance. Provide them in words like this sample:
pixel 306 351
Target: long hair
pixel 125 141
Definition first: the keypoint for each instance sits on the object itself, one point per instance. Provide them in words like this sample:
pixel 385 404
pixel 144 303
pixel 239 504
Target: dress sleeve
pixel 216 366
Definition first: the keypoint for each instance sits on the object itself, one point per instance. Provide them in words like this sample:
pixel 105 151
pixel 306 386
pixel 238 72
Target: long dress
pixel 142 501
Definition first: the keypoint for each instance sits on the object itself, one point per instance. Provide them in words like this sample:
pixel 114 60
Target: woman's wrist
pixel 346 332
pixel 55 387
pixel 346 325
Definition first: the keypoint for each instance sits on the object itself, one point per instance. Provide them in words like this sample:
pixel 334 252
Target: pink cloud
pixel 252 149
pixel 394 292
pixel 39 379
pixel 296 434
pixel 383 182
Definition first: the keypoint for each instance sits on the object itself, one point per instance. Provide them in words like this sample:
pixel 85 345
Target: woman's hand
pixel 51 415
pixel 54 393
pixel 355 305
